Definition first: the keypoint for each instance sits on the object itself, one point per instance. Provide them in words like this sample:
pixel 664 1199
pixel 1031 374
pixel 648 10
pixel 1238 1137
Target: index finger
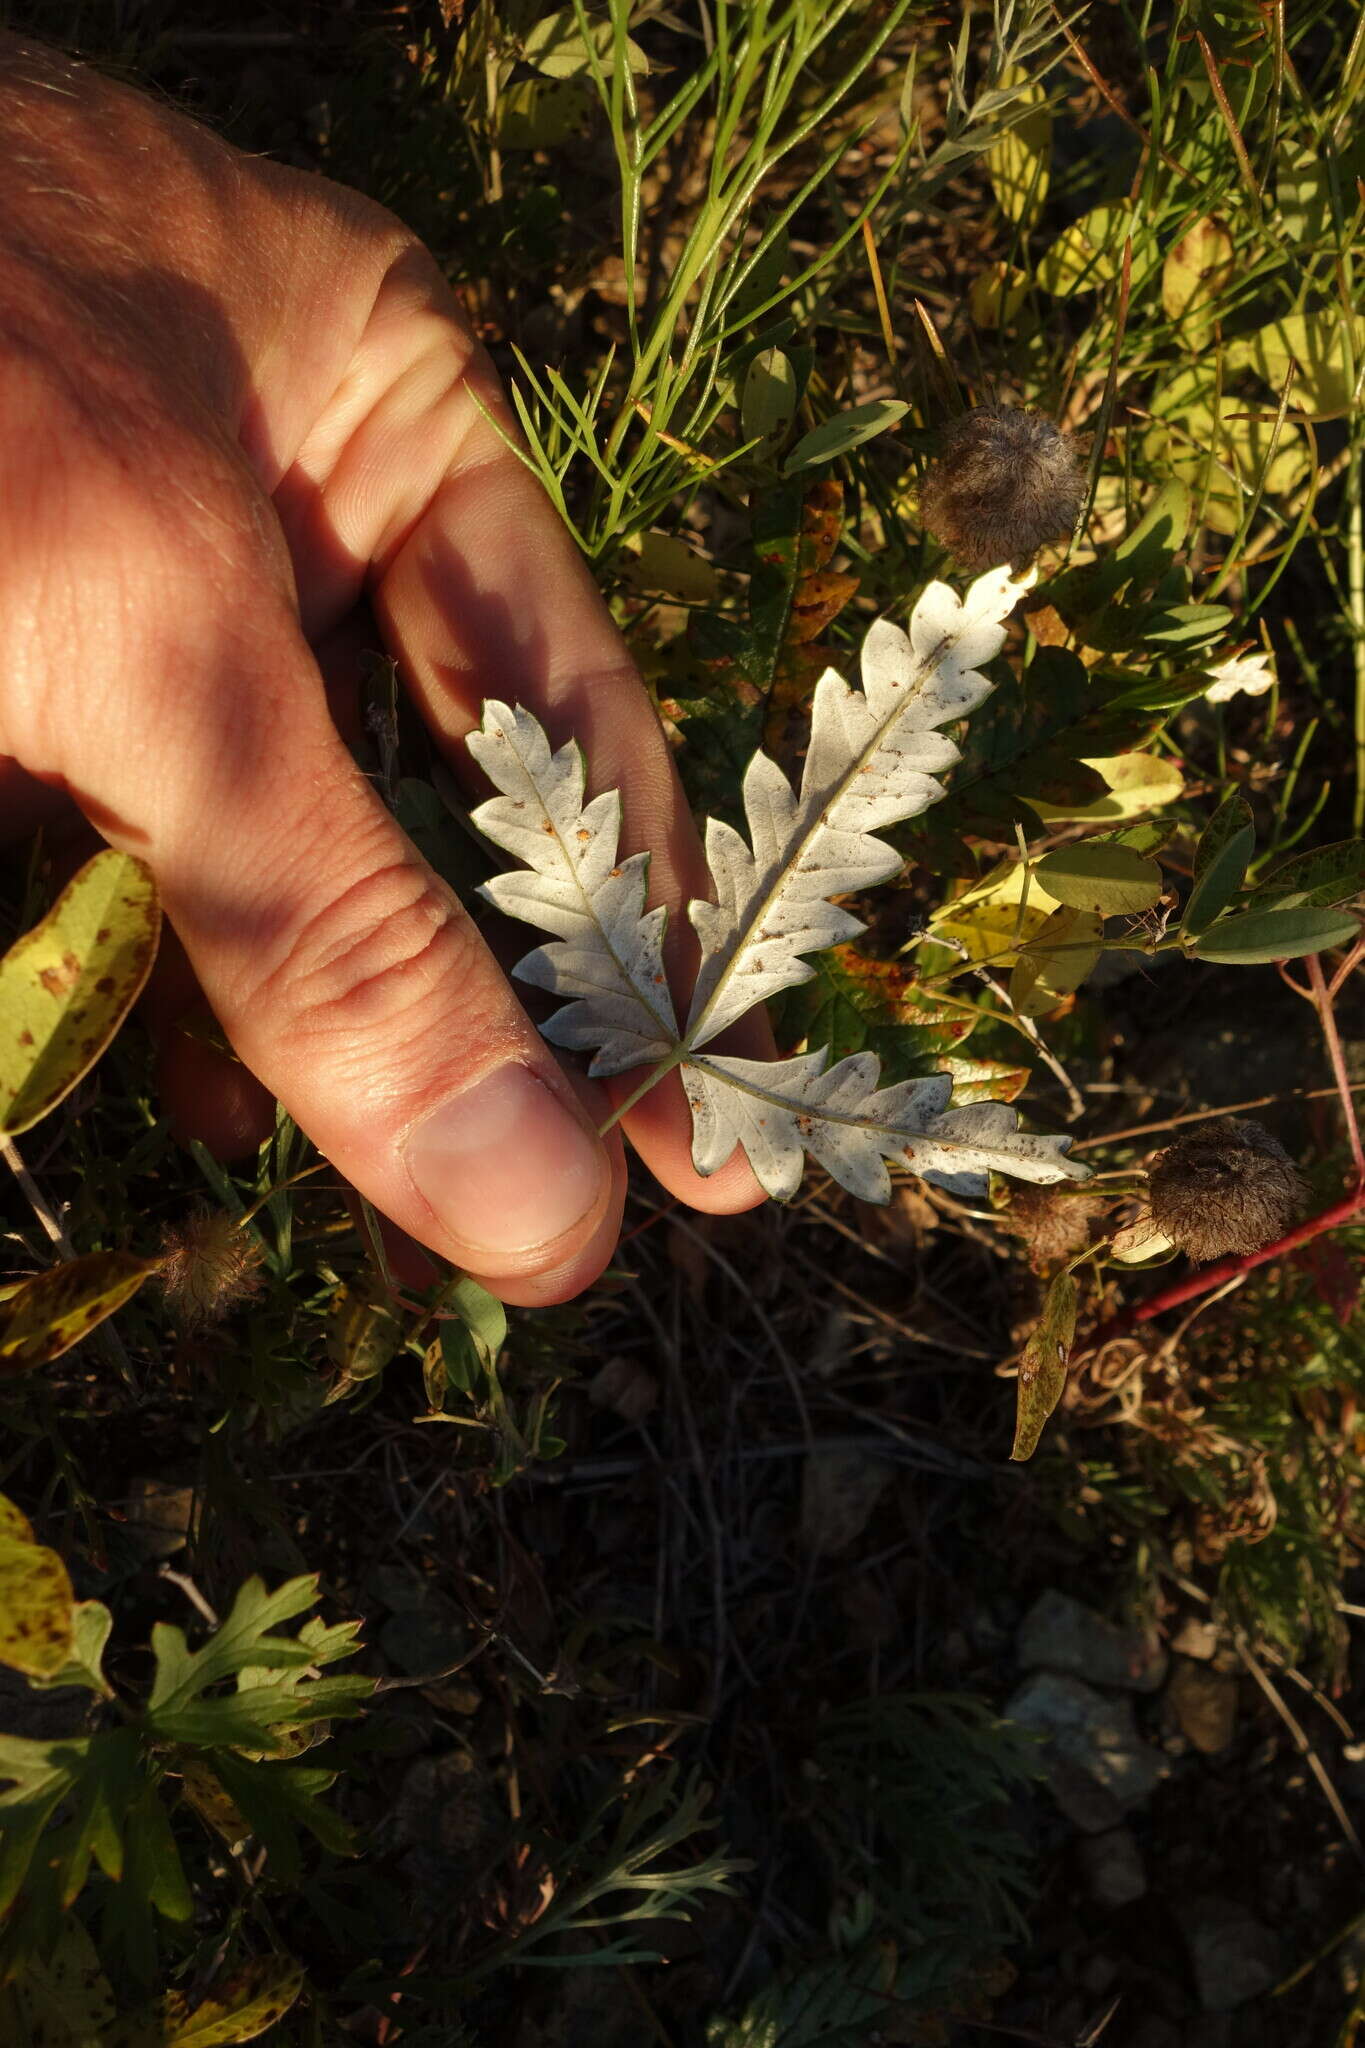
pixel 482 592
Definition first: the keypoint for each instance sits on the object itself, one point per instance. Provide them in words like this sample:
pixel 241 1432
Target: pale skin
pixel 236 403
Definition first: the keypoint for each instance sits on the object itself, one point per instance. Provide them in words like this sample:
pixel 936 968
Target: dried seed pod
pixel 1227 1187
pixel 210 1264
pixel 1005 482
pixel 1052 1224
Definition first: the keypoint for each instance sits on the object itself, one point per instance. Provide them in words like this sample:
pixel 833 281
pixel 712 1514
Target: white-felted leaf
pixel 607 954
pixel 872 760
pixel 779 1109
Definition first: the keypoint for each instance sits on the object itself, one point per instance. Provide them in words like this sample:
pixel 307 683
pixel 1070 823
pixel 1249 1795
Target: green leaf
pixel 1145 554
pixel 543 113
pixel 65 1999
pixel 848 430
pixel 1220 861
pixel 1017 164
pixel 1056 962
pixel 91 1623
pixel 276 1800
pixel 557 45
pixel 363 1336
pixel 67 985
pixel 1137 783
pixel 46 1315
pixel 92 1779
pixel 37 1604
pixel 664 564
pixel 768 405
pixel 241 2008
pixel 1042 1369
pixel 1255 936
pixel 243 1639
pixel 1329 874
pixel 1102 876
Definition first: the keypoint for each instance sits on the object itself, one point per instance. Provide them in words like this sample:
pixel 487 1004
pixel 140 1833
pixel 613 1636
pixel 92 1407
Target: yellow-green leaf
pixel 1316 344
pixel 1100 875
pixel 36 1600
pixel 542 113
pixel 1017 164
pixel 1057 961
pixel 557 46
pixel 362 1336
pixel 1089 253
pixel 667 566
pixel 66 986
pixel 241 2009
pixel 1198 268
pixel 46 1315
pixel 1042 1369
pixel 1138 783
pixel 996 294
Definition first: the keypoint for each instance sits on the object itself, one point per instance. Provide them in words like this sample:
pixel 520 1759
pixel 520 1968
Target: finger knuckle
pixel 391 965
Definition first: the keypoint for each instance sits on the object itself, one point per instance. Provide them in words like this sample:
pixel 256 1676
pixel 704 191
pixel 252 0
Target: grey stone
pixel 1059 1634
pixel 1113 1869
pixel 1235 1956
pixel 1092 1733
pixel 1204 1702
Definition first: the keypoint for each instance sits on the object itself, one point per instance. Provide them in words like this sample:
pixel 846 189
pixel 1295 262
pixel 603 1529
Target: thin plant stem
pixel 1322 997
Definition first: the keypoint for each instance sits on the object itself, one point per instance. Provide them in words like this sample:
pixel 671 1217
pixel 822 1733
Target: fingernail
pixel 507 1166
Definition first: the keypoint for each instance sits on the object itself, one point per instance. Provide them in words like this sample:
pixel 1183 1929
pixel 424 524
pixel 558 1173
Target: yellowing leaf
pixel 767 405
pixel 1138 783
pixel 989 931
pixel 1057 961
pixel 46 1315
pixel 542 113
pixel 1089 253
pixel 1017 164
pixel 1183 431
pixel 1315 343
pixel 667 566
pixel 362 1336
pixel 240 2009
pixel 36 1600
pixel 557 45
pixel 1042 1369
pixel 1197 269
pixel 996 294
pixel 67 985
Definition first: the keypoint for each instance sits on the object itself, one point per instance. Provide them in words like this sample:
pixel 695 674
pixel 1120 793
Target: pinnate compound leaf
pixel 777 1109
pixel 1042 1369
pixel 608 952
pixel 43 1317
pixel 67 985
pixel 37 1604
pixel 253 1999
pixel 871 762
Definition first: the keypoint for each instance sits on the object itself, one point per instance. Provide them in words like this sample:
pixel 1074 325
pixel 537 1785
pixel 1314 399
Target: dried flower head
pixel 1005 482
pixel 1052 1224
pixel 1227 1187
pixel 209 1264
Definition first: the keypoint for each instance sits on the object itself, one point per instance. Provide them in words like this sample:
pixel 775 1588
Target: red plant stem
pixel 1322 1001
pixel 1209 1277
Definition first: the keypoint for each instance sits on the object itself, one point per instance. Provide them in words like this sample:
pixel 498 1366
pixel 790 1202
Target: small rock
pixel 1113 1870
pixel 1204 1702
pixel 1196 1637
pixel 1059 1634
pixel 1093 1734
pixel 1235 1957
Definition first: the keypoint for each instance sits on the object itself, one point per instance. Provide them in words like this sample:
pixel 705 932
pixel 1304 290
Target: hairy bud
pixel 1227 1187
pixel 1006 481
pixel 209 1264
pixel 1051 1223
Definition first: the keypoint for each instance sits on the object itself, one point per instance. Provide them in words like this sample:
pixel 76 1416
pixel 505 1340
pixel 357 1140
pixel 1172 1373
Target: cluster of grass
pixel 740 265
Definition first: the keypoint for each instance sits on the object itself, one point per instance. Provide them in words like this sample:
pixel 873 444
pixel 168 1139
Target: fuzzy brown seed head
pixel 210 1264
pixel 1006 481
pixel 1052 1224
pixel 1227 1187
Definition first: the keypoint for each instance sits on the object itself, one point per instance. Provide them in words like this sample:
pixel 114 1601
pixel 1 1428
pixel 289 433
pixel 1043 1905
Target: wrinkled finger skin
pixel 236 403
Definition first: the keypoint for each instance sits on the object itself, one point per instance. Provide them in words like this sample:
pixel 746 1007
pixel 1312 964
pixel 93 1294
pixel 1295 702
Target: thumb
pixel 353 983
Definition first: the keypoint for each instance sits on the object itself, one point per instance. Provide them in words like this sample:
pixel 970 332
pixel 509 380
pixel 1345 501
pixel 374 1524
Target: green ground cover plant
pixel 651 1681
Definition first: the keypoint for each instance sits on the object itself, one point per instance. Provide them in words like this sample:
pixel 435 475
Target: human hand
pixel 236 402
